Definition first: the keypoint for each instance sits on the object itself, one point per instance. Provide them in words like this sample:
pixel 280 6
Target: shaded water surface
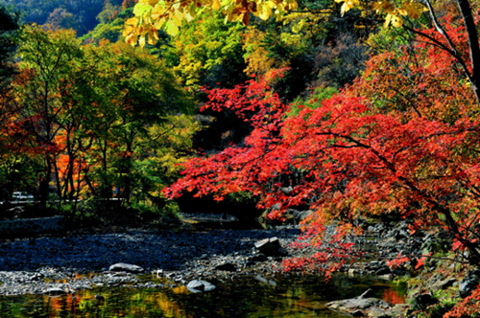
pixel 244 297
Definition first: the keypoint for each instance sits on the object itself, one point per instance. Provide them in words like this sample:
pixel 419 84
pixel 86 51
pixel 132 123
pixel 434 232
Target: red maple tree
pixel 403 138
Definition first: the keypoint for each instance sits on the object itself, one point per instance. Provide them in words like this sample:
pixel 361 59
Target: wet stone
pixel 55 291
pixel 198 286
pixel 129 268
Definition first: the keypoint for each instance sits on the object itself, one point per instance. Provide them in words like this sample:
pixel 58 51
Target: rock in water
pixel 359 305
pixel 198 286
pixel 123 267
pixel 265 281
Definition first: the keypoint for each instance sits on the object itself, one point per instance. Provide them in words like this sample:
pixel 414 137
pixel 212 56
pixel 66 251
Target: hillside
pixel 81 16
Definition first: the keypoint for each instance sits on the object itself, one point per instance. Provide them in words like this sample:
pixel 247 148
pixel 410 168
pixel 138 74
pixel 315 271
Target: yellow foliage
pixel 256 55
pixel 394 10
pixel 151 15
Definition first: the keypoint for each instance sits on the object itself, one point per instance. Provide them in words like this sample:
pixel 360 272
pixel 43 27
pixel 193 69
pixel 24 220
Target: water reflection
pixel 298 297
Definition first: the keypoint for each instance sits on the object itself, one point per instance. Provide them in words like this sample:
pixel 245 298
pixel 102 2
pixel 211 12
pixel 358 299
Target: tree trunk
pixel 470 27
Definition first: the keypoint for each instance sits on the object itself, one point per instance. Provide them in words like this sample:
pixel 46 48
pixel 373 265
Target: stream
pixel 255 297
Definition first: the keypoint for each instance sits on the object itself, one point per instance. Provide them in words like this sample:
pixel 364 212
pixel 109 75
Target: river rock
pixel 268 246
pixel 443 284
pixel 364 305
pixel 123 267
pixel 385 270
pixel 421 301
pixel 293 216
pixel 469 283
pixel 228 267
pixel 198 286
pixel 265 281
pixel 55 291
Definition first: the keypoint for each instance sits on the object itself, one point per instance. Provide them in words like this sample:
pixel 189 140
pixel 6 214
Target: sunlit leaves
pixel 394 11
pixel 153 15
pixel 348 5
pixel 206 42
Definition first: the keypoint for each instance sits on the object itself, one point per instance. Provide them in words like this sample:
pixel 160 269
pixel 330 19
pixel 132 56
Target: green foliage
pixel 8 29
pixel 100 113
pixel 313 101
pixel 210 50
pixel 159 154
pixel 111 32
pixel 112 21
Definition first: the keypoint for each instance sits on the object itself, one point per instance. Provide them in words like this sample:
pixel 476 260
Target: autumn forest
pixel 352 109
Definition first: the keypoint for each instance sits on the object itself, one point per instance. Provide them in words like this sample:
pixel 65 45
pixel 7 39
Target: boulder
pixel 123 267
pixel 422 301
pixel 99 298
pixel 199 286
pixel 397 310
pixel 265 281
pixel 443 284
pixel 469 283
pixel 268 246
pixel 385 270
pixel 293 216
pixel 356 305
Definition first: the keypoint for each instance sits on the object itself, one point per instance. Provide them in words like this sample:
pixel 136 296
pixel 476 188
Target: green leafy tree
pixel 209 51
pixel 61 18
pixel 47 59
pixel 86 108
pixel 160 153
pixel 109 30
pixel 143 92
pixel 80 14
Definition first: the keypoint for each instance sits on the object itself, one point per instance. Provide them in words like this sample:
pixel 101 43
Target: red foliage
pixel 468 307
pixel 357 154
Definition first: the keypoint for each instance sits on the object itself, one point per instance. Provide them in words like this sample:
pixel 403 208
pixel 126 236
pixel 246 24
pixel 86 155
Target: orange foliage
pixel 128 4
pixel 468 307
pixel 419 80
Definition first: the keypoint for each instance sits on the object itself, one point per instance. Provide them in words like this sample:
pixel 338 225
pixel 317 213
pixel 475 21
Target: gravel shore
pixel 78 261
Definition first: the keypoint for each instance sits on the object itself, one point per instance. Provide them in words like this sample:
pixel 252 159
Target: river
pixel 253 297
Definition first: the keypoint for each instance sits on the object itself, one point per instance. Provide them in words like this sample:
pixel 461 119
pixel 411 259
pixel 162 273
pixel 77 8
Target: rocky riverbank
pixel 58 264
pixel 36 265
